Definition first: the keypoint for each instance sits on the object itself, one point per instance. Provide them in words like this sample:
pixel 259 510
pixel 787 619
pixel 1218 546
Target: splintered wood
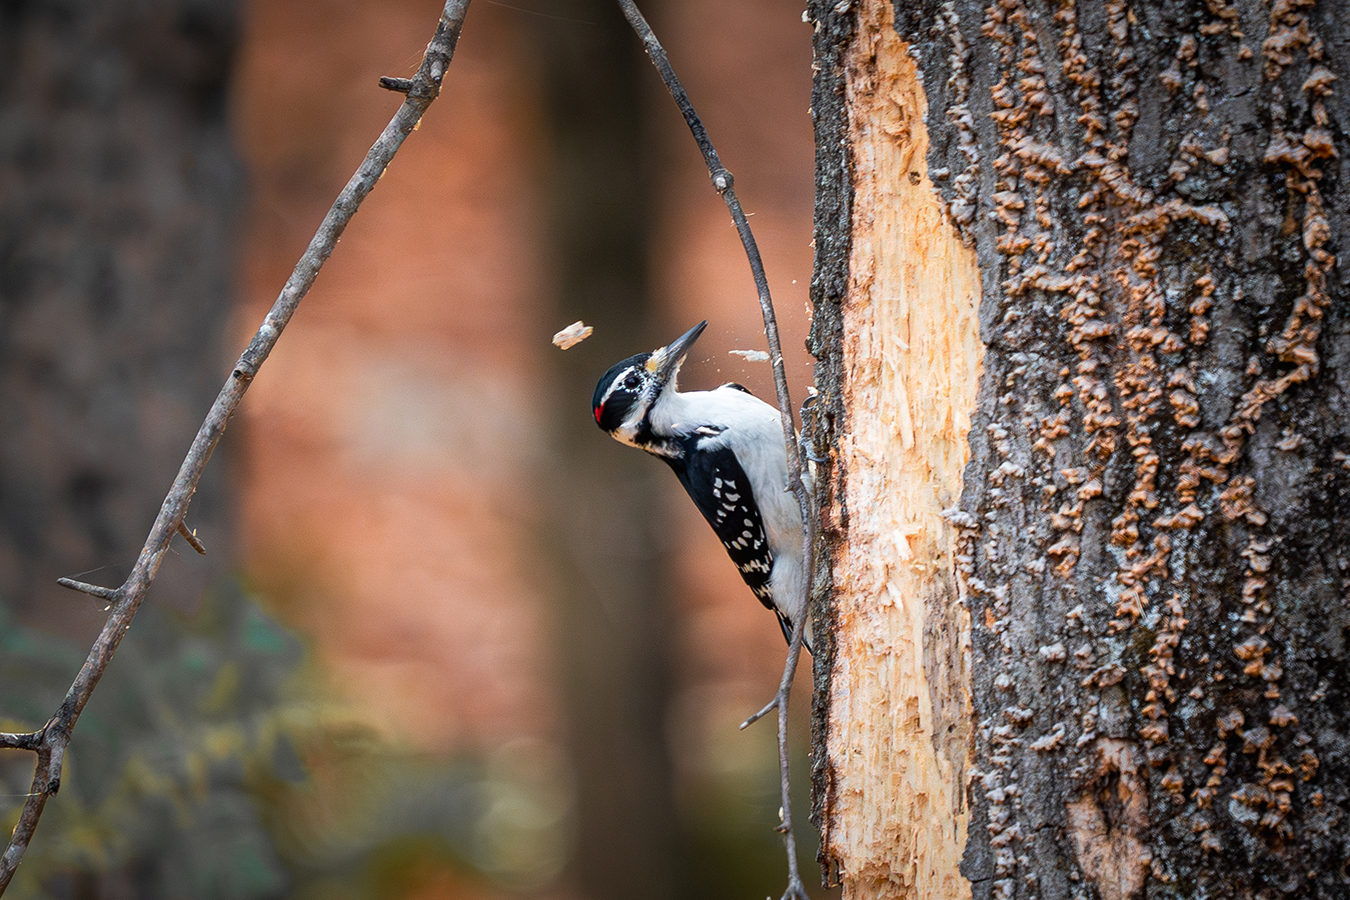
pixel 899 734
pixel 572 335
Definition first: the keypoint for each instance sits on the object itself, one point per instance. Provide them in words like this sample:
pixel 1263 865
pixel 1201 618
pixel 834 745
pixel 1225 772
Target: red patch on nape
pixel 599 411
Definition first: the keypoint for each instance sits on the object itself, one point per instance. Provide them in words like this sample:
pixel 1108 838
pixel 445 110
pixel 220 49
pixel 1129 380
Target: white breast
pixel 754 431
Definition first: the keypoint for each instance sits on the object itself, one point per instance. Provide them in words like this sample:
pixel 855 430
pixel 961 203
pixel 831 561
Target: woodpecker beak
pixel 665 362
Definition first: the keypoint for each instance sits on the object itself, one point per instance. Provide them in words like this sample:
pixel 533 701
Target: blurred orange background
pixel 394 440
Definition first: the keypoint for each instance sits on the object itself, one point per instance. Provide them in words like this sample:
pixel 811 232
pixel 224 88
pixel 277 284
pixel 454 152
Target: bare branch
pixel 399 85
pixel 93 590
pixel 28 819
pixel 50 743
pixel 29 740
pixel 723 181
pixel 768 708
pixel 192 539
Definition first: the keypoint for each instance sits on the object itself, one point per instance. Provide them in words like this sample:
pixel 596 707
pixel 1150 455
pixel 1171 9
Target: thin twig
pixel 191 537
pixel 768 708
pixel 30 740
pixel 399 85
pixel 93 590
pixel 723 181
pixel 50 742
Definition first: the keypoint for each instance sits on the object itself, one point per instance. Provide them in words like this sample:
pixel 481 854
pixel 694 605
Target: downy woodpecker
pixel 726 447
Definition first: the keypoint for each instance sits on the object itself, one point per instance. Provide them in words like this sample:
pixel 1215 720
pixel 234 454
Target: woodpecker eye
pixel 632 382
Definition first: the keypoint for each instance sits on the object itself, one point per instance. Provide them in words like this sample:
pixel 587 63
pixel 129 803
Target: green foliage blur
pixel 207 765
pixel 159 781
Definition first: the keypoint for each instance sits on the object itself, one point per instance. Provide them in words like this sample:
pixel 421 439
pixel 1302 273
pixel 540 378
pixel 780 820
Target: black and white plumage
pixel 726 447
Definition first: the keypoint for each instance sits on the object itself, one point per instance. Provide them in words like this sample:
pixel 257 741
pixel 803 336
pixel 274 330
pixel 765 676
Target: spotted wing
pixel 718 486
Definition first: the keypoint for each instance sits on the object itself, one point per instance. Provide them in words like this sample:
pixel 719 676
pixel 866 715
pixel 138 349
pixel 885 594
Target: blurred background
pixel 449 640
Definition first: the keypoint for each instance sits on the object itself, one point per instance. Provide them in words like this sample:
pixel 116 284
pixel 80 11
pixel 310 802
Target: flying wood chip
pixel 572 335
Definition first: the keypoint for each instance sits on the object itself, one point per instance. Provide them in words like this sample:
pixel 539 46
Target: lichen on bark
pixel 1159 491
pixel 1156 518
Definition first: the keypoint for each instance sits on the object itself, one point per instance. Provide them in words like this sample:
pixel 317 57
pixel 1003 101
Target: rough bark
pixel 1154 520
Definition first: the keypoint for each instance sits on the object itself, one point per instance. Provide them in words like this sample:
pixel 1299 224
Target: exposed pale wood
pixel 899 706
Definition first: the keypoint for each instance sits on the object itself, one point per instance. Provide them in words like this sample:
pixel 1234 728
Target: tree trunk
pixel 1111 669
pixel 119 195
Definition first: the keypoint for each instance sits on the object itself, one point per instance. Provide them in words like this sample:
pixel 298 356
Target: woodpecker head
pixel 627 393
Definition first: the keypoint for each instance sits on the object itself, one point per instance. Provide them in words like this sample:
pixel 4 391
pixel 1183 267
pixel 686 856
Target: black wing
pixel 717 484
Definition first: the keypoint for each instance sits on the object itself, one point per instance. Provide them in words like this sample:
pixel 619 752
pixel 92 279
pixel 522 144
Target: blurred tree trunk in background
pixel 118 199
pixel 1110 662
pixel 613 571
